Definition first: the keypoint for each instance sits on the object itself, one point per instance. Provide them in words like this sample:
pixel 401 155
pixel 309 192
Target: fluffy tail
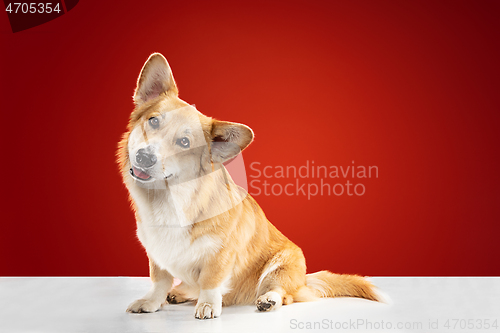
pixel 327 284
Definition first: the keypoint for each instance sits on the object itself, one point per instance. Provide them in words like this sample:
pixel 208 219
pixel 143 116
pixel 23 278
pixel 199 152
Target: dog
pixel 195 223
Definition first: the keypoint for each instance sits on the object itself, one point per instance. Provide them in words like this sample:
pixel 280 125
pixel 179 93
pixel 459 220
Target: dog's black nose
pixel 145 159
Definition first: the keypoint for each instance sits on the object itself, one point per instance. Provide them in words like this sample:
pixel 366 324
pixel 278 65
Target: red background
pixel 409 86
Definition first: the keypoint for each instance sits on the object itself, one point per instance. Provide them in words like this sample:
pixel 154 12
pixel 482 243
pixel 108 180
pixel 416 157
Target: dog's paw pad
pixel 176 298
pixel 172 299
pixel 264 304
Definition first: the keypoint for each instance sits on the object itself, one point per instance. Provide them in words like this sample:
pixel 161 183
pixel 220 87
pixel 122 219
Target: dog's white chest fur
pixel 170 245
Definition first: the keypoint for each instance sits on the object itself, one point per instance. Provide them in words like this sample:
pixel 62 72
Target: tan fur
pixel 246 244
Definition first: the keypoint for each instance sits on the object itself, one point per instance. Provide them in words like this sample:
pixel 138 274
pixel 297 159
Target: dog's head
pixel 168 139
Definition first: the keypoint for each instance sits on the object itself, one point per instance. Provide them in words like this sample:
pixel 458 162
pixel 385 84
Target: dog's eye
pixel 154 122
pixel 183 142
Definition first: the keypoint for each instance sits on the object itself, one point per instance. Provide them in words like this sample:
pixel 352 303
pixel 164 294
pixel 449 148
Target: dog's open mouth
pixel 139 174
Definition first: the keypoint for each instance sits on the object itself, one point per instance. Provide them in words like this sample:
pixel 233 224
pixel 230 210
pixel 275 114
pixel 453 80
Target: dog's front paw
pixel 144 305
pixel 207 311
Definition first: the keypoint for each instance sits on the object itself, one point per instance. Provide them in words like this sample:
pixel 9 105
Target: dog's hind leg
pixel 282 276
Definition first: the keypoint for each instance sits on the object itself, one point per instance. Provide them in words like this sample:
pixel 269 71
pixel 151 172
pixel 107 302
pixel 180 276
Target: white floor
pixel 98 305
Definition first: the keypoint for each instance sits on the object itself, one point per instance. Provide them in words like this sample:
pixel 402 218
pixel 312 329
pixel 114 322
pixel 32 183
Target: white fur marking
pixel 209 303
pixel 274 296
pixel 271 267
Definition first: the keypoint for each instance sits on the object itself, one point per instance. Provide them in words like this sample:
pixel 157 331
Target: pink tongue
pixel 141 174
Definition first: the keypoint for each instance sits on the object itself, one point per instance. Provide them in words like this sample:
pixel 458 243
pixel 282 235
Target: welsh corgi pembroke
pixel 195 223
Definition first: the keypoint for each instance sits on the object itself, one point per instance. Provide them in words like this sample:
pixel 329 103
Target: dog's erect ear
pixel 155 79
pixel 229 139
